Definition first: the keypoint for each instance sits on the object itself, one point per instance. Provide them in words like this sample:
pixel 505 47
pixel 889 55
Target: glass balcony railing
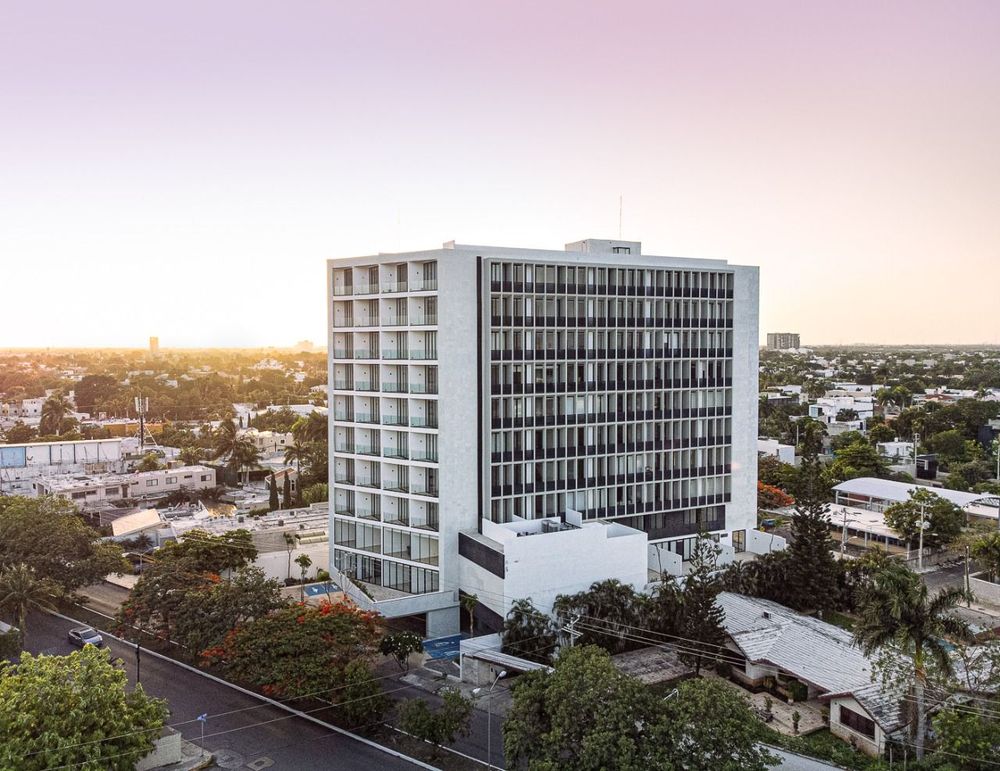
pixel 393 353
pixel 396 486
pixel 343 447
pixel 424 320
pixel 428 456
pixel 393 286
pixel 423 388
pixel 423 355
pixel 366 513
pixel 420 421
pixel 392 320
pixel 394 420
pixel 422 489
pixel 394 388
pixel 368 482
pixel 365 289
pixel 371 321
pixel 365 418
pixel 367 449
pixel 395 452
pixel 423 285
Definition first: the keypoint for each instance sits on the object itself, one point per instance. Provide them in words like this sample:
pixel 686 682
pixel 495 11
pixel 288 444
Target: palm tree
pixel 897 611
pixel 297 453
pixel 21 590
pixel 191 455
pixel 311 429
pixel 470 602
pixel 54 410
pixel 239 453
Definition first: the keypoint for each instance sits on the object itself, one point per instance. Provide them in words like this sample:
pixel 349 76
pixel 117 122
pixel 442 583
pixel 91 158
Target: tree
pixel 47 535
pixel 897 612
pixel 971 732
pixel 772 471
pixel 19 433
pixel 439 726
pixel 298 649
pixel 880 433
pixel 858 459
pixel 709 726
pixel 99 724
pixel 986 549
pixel 553 723
pixel 199 551
pixel 272 486
pixel 304 561
pixel 609 610
pixel 191 455
pixel 846 415
pixel 286 491
pixel 54 410
pixel 21 590
pixel 846 439
pixel 528 633
pixel 769 497
pixel 944 520
pixel 702 616
pixel 812 569
pixel 469 603
pixel 239 453
pixel 400 645
pixel 150 462
pixel 361 699
pixel 317 493
pixel 208 611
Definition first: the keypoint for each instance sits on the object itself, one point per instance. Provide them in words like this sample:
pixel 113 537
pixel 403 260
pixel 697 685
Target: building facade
pixel 477 383
pixel 783 341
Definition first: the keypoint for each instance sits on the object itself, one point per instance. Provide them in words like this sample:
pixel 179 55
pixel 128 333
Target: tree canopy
pixel 98 725
pixel 48 536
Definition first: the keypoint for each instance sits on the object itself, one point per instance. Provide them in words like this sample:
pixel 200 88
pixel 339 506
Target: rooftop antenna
pixel 619 217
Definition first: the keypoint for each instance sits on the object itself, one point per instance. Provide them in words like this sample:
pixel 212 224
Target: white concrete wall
pixel 985 590
pixel 759 542
pixel 874 747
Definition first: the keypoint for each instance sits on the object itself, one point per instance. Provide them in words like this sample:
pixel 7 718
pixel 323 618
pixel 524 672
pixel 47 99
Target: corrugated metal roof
pixel 900 491
pixel 812 650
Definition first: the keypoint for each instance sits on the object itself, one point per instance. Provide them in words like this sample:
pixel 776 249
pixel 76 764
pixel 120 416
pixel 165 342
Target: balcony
pixel 365 322
pixel 366 418
pixel 394 388
pixel 366 355
pixel 343 291
pixel 398 453
pixel 423 422
pixel 394 354
pixel 343 447
pixel 424 285
pixel 344 511
pixel 397 519
pixel 343 416
pixel 423 355
pixel 423 388
pixel 366 513
pixel 343 385
pixel 372 482
pixel 429 491
pixel 428 456
pixel 365 385
pixel 365 289
pixel 343 353
pixel 396 486
pixel 392 320
pixel 344 479
pixel 394 420
pixel 367 449
pixel 424 320
pixel 393 287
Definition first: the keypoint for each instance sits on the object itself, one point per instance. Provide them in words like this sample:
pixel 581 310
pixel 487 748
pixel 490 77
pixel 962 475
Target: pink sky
pixel 205 158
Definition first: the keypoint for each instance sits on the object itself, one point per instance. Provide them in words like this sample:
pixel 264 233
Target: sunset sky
pixel 184 169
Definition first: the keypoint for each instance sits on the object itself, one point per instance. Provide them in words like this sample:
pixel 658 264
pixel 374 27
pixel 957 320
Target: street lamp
pixel 489 717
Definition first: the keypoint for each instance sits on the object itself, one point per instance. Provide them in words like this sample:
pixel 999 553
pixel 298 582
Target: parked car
pixel 84 635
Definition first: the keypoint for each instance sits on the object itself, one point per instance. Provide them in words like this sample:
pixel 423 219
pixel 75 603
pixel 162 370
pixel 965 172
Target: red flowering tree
pixel 300 649
pixel 771 497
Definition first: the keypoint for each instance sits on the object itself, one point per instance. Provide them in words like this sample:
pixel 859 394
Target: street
pixel 240 729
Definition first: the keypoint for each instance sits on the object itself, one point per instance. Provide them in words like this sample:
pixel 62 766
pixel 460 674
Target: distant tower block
pixel 154 345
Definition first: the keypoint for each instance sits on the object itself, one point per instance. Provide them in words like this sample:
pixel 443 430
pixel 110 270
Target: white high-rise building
pixel 475 390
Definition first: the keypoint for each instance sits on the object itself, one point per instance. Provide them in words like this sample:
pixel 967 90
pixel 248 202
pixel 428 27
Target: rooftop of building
pixel 59 482
pixel 889 490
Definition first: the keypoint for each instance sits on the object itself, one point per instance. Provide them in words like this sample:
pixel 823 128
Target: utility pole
pixel 570 629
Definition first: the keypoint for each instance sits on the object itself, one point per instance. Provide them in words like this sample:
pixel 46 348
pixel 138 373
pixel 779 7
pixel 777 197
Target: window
pixel 739 541
pixel 204 477
pixel 152 482
pixel 170 480
pixel 78 496
pixel 857 722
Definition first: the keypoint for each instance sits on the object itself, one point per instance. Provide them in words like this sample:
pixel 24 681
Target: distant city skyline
pixel 186 170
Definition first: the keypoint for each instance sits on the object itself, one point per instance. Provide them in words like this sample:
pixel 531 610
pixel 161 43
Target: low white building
pixel 896 452
pixel 543 558
pixel 826 408
pixel 100 490
pixel 21 465
pixel 783 452
pixel 268 442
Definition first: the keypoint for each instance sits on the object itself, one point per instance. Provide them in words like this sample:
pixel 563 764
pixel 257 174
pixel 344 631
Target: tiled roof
pixel 814 651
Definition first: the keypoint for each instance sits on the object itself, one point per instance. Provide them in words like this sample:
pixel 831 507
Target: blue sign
pixel 314 590
pixel 443 647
